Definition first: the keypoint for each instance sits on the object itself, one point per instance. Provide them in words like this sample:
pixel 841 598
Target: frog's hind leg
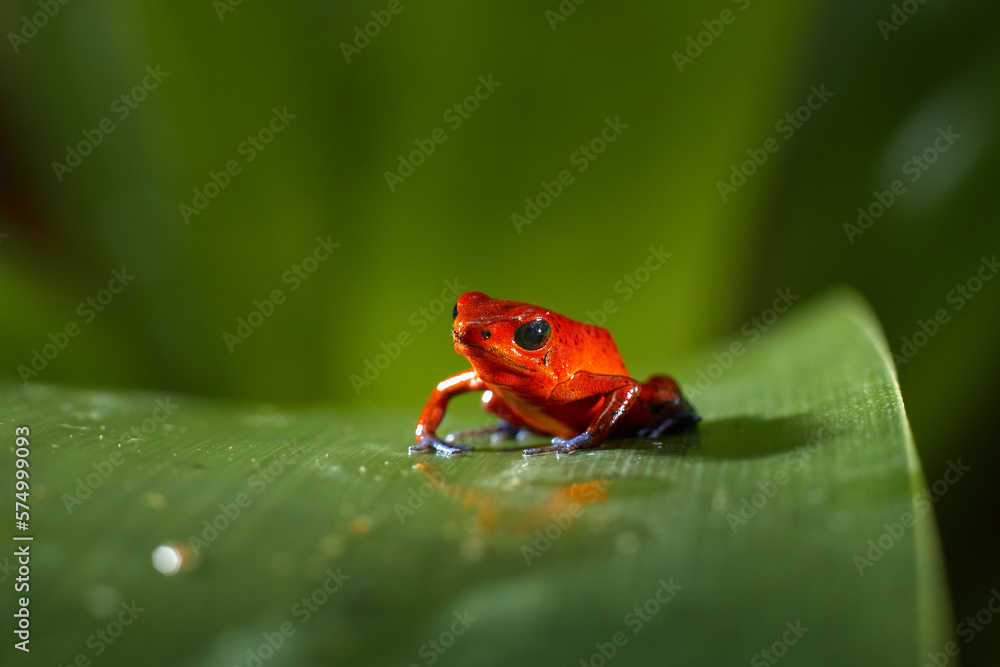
pixel 663 396
pixel 502 430
pixel 509 426
pixel 686 417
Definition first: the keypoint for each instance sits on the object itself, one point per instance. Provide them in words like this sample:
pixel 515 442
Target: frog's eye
pixel 532 335
pixel 454 313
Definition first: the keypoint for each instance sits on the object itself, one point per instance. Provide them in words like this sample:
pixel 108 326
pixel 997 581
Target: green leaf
pixel 492 558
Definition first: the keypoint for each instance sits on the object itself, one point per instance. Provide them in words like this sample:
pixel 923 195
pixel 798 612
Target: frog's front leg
pixel 620 393
pixel 433 413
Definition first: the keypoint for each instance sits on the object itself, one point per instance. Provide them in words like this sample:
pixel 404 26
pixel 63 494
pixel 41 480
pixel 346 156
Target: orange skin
pixel 543 373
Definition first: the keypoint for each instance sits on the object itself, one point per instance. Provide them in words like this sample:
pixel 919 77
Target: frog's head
pixel 505 339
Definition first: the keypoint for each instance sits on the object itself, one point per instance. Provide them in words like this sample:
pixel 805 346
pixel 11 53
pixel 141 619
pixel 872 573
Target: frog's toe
pixel 451 450
pixel 541 450
pixel 556 446
pixel 582 441
pixel 440 447
pixel 421 446
pixel 560 446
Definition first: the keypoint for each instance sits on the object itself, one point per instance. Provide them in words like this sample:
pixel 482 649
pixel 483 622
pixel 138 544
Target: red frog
pixel 542 373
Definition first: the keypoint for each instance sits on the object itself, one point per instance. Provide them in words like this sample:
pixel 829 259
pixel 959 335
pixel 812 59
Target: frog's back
pixel 594 349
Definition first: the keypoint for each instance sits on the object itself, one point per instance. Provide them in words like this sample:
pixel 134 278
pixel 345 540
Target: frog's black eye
pixel 454 313
pixel 532 335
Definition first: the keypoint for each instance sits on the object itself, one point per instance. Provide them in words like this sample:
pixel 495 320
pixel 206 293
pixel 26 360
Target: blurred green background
pixel 350 112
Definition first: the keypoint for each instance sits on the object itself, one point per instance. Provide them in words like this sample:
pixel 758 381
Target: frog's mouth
pixel 468 349
pixel 462 340
pixel 496 357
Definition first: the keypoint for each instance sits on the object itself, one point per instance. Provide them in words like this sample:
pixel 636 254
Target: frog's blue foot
pixel 560 446
pixel 435 443
pixel 686 417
